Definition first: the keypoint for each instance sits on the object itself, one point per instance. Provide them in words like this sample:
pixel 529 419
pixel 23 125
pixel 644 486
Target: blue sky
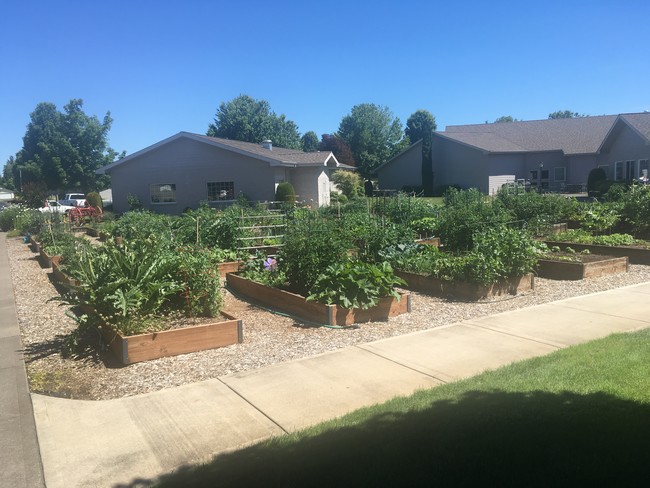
pixel 161 67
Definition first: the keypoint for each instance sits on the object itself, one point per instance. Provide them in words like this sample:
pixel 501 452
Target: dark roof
pixel 579 135
pixel 276 156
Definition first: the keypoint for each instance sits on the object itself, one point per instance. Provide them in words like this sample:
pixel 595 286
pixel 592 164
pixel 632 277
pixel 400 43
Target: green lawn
pixel 578 417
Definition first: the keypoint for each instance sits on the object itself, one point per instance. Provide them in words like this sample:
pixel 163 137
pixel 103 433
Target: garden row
pixel 335 266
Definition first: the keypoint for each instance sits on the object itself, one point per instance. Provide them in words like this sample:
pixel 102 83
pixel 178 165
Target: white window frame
pixel 162 193
pixel 227 187
pixel 555 178
pixel 619 172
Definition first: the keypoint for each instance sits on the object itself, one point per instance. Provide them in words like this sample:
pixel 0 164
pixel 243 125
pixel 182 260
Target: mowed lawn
pixel 578 417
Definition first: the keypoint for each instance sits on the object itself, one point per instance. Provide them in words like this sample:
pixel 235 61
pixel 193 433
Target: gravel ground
pixel 268 338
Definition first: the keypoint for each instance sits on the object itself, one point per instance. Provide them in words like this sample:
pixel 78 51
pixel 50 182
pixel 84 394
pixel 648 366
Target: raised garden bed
pixel 586 266
pixel 430 241
pixel 62 277
pixel 48 261
pixel 228 267
pixel 310 311
pixel 144 347
pixel 464 290
pixel 635 254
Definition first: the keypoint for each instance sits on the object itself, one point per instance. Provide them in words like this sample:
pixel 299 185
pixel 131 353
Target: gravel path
pixel 268 338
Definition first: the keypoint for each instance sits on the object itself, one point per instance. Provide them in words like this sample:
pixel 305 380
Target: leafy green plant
pixel 201 285
pixel 285 192
pixel 355 284
pixel 94 200
pixel 264 269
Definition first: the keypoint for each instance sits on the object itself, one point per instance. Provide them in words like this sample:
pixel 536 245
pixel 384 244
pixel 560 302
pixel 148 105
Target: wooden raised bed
pixel 144 347
pixel 47 260
pixel 62 277
pixel 430 241
pixel 590 266
pixel 635 255
pixel 228 267
pixel 310 311
pixel 470 291
pixel 33 245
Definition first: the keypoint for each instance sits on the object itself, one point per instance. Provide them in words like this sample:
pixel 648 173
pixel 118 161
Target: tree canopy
pixel 246 119
pixel 310 141
pixel 564 114
pixel 341 151
pixel 420 125
pixel 505 118
pixel 62 150
pixel 373 135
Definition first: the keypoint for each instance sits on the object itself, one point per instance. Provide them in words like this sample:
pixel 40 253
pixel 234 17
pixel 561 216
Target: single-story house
pixel 6 195
pixel 186 169
pixel 556 154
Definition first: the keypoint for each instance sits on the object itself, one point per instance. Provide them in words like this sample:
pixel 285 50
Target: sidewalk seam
pixel 252 405
pixel 360 346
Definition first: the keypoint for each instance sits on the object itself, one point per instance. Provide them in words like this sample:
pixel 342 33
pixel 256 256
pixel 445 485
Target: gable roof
pixel 275 157
pixel 579 135
pixel 399 154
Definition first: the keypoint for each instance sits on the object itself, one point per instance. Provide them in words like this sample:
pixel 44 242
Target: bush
pixel 285 192
pixel 8 217
pixel 596 176
pixel 465 213
pixel 311 244
pixel 350 183
pixel 94 200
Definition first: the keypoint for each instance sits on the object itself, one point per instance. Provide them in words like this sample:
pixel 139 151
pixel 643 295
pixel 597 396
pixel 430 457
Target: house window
pixel 533 175
pixel 643 168
pixel 630 173
pixel 163 193
pixel 559 174
pixel 545 174
pixel 618 170
pixel 221 190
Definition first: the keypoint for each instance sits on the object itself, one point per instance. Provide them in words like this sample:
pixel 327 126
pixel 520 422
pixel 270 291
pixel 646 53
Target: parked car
pixel 74 199
pixel 52 206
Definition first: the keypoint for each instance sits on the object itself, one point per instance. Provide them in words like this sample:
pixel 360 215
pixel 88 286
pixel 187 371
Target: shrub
pixel 94 200
pixel 350 183
pixel 311 244
pixel 596 176
pixel 285 192
pixel 465 213
pixel 8 217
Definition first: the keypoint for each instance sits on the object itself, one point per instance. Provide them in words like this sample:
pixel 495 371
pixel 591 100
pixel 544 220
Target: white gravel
pixel 268 338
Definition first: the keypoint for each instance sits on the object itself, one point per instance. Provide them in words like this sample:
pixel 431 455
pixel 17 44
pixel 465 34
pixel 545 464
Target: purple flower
pixel 270 264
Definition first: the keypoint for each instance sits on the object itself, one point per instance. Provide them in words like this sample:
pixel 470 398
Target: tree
pixel 564 114
pixel 309 141
pixel 63 150
pixel 341 151
pixel 7 179
pixel 420 126
pixel 349 183
pixel 372 134
pixel 249 120
pixel 505 118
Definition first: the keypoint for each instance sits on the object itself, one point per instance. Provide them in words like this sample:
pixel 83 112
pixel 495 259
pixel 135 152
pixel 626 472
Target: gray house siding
pixel 457 164
pixel 189 165
pixel 628 148
pixel 404 170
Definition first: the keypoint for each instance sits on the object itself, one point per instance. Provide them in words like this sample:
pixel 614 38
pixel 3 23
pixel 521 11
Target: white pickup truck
pixel 74 199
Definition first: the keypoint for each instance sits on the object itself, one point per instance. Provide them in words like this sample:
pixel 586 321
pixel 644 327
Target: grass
pixel 578 417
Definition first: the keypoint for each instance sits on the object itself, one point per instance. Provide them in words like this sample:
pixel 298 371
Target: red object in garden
pixel 78 214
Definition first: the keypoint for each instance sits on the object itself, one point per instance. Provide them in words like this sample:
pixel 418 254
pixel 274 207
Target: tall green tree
pixel 505 118
pixel 310 142
pixel 341 151
pixel 7 179
pixel 373 135
pixel 62 150
pixel 420 125
pixel 246 119
pixel 564 114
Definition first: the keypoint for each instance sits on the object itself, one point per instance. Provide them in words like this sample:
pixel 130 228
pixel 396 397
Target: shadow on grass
pixel 485 438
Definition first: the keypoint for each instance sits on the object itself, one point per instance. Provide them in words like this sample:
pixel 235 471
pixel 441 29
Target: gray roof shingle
pixel 580 135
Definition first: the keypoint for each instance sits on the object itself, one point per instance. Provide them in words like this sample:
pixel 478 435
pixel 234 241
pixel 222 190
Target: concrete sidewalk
pixel 131 441
pixel 19 453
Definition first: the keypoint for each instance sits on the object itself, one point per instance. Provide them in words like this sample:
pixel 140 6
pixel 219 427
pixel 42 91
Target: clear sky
pixel 161 67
